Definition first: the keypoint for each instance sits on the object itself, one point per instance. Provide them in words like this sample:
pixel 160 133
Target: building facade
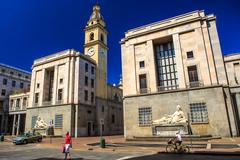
pixel 18 103
pixel 70 90
pixel 177 61
pixel 11 79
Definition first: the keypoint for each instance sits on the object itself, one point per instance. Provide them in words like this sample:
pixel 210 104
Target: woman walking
pixel 68 145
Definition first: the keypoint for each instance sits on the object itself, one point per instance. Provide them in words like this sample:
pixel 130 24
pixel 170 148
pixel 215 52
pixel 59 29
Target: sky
pixel 30 29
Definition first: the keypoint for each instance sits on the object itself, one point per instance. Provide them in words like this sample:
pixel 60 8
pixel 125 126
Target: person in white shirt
pixel 178 139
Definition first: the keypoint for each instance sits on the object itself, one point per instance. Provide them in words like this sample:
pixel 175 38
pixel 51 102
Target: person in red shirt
pixel 68 145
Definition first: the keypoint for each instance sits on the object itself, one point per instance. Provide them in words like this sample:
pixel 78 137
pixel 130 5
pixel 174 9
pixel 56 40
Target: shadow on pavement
pixel 46 158
pixel 168 156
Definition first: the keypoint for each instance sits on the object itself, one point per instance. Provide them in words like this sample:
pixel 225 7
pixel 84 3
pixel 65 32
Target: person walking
pixel 68 145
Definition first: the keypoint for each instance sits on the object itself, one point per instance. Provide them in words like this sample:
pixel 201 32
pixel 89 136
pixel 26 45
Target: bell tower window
pixel 102 37
pixel 91 36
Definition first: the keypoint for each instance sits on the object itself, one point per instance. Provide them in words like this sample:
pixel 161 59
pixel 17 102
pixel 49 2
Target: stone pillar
pixel 238 103
pixel 18 123
pixel 14 122
pixel 76 121
pixel 55 85
pixel 179 61
pixel 152 69
pixel 41 92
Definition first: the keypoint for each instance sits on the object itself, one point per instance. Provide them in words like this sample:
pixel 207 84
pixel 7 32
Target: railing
pixel 166 88
pixel 47 103
pixel 59 102
pixel 195 84
pixel 144 90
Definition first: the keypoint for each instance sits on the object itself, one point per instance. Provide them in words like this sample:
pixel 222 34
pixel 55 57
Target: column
pixel 238 103
pixel 14 122
pixel 18 123
pixel 76 121
pixel 152 68
pixel 179 61
pixel 41 91
pixel 55 85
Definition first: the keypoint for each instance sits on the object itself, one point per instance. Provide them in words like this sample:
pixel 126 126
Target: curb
pixel 207 153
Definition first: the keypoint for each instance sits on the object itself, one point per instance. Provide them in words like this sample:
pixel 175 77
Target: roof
pixel 15 68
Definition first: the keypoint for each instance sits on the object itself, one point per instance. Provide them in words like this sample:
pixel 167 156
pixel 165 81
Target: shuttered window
pixel 58 120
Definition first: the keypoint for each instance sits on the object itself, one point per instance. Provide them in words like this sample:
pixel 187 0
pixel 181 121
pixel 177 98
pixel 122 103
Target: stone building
pixel 70 90
pixel 178 61
pixel 11 79
pixel 18 103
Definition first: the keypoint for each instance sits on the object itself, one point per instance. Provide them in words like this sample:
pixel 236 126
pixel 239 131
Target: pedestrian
pixel 68 145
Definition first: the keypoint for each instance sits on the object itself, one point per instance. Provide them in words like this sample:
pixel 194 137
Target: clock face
pixel 91 51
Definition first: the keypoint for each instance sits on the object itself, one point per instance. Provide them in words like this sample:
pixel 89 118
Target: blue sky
pixel 30 29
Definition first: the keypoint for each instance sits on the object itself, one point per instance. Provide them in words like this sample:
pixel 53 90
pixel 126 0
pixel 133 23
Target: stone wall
pixel 166 102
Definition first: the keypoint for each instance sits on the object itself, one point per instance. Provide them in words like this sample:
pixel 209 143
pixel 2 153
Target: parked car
pixel 27 138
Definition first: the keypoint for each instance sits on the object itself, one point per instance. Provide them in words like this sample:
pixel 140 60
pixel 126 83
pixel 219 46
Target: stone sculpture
pixel 40 124
pixel 177 117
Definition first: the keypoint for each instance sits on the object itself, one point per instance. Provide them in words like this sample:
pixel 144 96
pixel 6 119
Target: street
pixel 32 151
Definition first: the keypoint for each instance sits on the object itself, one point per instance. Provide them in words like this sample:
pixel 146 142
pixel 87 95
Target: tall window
pixel 102 38
pixel 92 97
pixel 91 37
pixel 142 64
pixel 34 119
pixel 86 67
pixel 193 76
pixel 166 66
pixel 58 121
pixel 86 95
pixel 143 83
pixel 92 83
pixel 113 118
pixel 36 97
pixel 145 116
pixel 4 81
pixel 13 83
pixel 18 103
pixel 198 112
pixel 24 101
pixel 92 70
pixel 21 85
pixel 86 81
pixel 3 92
pixel 60 94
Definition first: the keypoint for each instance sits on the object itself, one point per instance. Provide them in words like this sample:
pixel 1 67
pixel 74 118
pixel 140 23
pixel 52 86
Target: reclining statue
pixel 177 117
pixel 40 123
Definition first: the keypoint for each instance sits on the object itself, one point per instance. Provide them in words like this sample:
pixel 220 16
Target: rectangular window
pixel 18 103
pixel 36 97
pixel 58 121
pixel 193 76
pixel 61 80
pixel 86 95
pixel 190 54
pixel 60 94
pixel 92 70
pixel 92 97
pixel 142 64
pixel 145 116
pixel 38 85
pixel 113 118
pixel 34 119
pixel 21 85
pixel 13 83
pixel 4 81
pixel 3 92
pixel 166 66
pixel 92 83
pixel 143 83
pixel 198 113
pixel 86 67
pixel 86 81
pixel 24 102
pixel 102 108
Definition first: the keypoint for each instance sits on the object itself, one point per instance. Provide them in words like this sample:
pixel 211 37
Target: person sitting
pixel 178 139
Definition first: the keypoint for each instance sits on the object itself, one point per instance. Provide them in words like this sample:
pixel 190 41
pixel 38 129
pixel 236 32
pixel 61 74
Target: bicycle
pixel 174 148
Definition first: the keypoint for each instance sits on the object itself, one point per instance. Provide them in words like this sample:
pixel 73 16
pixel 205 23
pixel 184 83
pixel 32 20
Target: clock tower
pixel 96 47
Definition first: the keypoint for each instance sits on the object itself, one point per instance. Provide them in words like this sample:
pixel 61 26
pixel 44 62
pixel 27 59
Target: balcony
pixel 59 102
pixel 167 88
pixel 47 103
pixel 144 90
pixel 195 84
